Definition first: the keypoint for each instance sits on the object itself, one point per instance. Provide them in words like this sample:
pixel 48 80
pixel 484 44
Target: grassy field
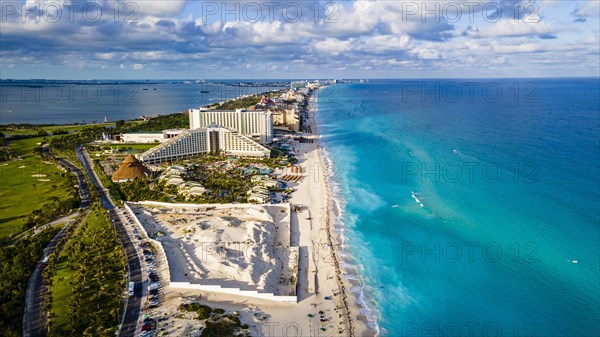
pixel 88 285
pixel 52 128
pixel 20 191
pixel 122 147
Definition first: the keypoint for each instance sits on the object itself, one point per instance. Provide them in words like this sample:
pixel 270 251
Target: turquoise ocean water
pixel 469 209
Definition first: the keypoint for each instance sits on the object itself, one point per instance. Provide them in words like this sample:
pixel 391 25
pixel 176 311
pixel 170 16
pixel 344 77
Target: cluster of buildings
pixel 173 176
pixel 239 133
pixel 260 193
pixel 210 139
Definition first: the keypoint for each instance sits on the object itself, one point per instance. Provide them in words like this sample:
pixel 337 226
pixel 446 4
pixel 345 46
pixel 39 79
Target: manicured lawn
pixel 52 128
pixel 89 278
pixel 20 191
pixel 72 128
pixel 123 147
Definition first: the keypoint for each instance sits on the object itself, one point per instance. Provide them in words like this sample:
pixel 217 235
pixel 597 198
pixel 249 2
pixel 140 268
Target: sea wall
pixel 233 291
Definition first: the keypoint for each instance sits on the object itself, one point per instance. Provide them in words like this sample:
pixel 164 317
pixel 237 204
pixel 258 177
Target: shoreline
pixel 358 322
pixel 325 286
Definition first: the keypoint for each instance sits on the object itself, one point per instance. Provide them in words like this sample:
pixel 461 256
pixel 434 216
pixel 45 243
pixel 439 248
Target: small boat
pixel 204 92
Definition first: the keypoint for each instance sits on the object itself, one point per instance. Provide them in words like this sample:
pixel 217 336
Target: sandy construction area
pixel 325 305
pixel 234 246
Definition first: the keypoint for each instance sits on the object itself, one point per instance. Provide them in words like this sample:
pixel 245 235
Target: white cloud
pixel 374 35
pixel 589 9
pixel 332 46
pixel 105 56
pixel 519 48
pixel 510 28
pixel 382 43
pixel 426 54
pixel 154 7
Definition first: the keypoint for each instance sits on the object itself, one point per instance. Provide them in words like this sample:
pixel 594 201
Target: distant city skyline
pixel 181 39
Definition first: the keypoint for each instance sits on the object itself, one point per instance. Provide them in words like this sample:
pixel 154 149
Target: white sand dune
pixel 245 246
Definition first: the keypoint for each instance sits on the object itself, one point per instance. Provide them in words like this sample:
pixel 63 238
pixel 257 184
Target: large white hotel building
pixel 256 124
pixel 210 139
pixel 237 133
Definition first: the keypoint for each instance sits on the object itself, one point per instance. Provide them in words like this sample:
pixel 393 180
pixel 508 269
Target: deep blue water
pixel 510 192
pixel 62 102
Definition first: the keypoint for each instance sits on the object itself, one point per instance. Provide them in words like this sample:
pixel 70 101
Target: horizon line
pixel 299 79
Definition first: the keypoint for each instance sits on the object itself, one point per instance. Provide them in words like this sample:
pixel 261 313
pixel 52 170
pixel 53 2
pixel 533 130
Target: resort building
pixel 256 124
pixel 288 118
pixel 259 195
pixel 129 169
pixel 151 137
pixel 190 190
pixel 210 139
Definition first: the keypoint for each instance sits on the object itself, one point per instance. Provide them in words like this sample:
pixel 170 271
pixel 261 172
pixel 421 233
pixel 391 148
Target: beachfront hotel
pixel 211 139
pixel 256 124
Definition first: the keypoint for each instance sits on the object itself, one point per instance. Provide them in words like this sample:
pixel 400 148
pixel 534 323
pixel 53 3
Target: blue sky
pixel 82 39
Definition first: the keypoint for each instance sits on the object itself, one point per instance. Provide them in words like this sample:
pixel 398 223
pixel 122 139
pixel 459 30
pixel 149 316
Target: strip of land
pixel 324 304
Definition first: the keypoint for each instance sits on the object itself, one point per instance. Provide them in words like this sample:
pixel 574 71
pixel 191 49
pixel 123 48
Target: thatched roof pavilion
pixel 130 168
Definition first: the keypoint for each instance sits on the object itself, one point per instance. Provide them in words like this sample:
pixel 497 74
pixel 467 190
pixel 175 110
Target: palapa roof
pixel 130 168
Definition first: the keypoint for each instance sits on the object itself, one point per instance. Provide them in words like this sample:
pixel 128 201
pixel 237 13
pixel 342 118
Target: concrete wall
pixel 233 291
pixel 142 138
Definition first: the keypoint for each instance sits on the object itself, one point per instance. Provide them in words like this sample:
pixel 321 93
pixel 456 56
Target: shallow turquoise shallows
pixel 470 208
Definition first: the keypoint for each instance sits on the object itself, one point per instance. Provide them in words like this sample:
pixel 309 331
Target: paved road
pixel 38 229
pixel 132 310
pixel 34 318
pixel 84 192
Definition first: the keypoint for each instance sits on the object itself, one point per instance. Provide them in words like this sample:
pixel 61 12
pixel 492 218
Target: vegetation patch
pixel 18 262
pixel 31 181
pixel 216 322
pixel 88 281
pixel 159 123
pixel 203 311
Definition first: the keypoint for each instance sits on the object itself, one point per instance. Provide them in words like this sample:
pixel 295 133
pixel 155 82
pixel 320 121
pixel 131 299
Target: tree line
pixel 92 268
pixel 16 265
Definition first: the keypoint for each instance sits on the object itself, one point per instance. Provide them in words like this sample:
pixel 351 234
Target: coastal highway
pixel 132 310
pixel 34 318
